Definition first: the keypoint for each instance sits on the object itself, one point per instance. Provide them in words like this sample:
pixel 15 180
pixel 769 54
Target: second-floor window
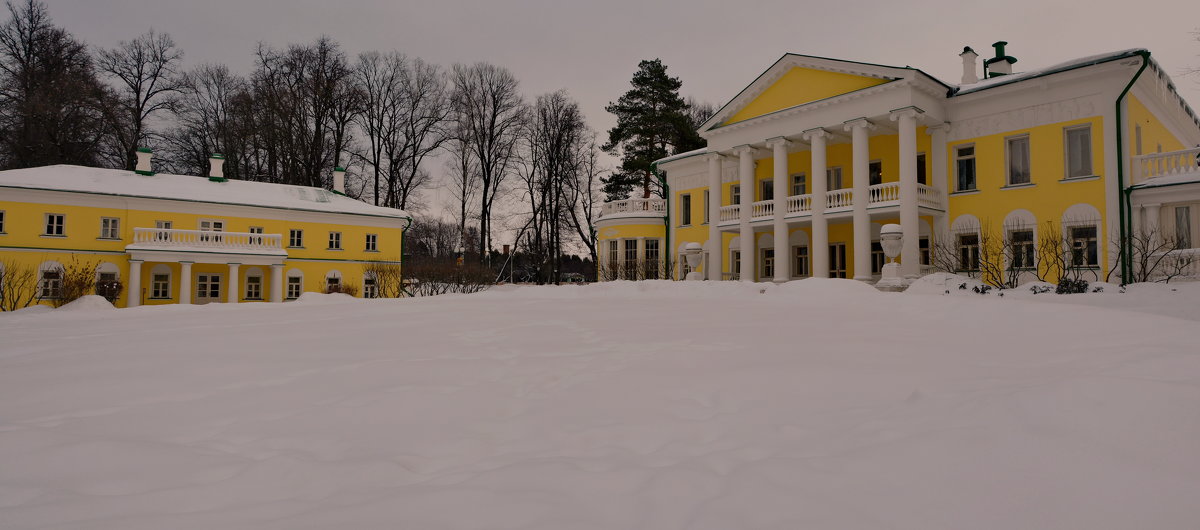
pixel 55 224
pixel 707 198
pixel 110 228
pixel 1079 151
pixel 964 168
pixel 833 177
pixel 256 230
pixel 735 194
pixel 876 172
pixel 1018 160
pixel 211 225
pixel 798 184
pixel 685 209
pixel 921 175
pixel 372 243
pixel 335 241
pixel 296 238
pixel 767 191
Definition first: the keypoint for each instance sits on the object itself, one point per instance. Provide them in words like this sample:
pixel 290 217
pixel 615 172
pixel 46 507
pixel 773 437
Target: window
pixel 110 228
pixel 706 204
pixel 51 284
pixel 735 194
pixel 768 264
pixel 209 225
pixel 253 239
pixel 921 174
pixel 964 168
pixel 735 263
pixel 1022 249
pixel 685 209
pixel 876 172
pixel 1183 227
pixel 877 257
pixel 335 241
pixel 1083 247
pixel 162 225
pixel 295 238
pixel 208 287
pixel 254 287
pixel 370 288
pixel 55 223
pixel 924 247
pixel 1 221
pixel 294 287
pixel 837 260
pixel 372 243
pixel 800 254
pixel 333 283
pixel 652 265
pixel 1137 134
pixel 1018 160
pixel 767 190
pixel 613 255
pixel 631 259
pixel 160 286
pixel 798 184
pixel 833 178
pixel 1079 151
pixel 968 252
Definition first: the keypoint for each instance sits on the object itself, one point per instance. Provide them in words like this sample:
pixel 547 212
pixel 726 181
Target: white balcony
pixel 634 208
pixel 165 239
pixel 837 202
pixel 1165 165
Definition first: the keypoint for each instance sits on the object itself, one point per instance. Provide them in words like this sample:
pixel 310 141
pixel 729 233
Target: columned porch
pixel 199 267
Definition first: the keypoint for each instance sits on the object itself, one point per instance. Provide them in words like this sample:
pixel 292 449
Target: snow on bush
pixel 87 303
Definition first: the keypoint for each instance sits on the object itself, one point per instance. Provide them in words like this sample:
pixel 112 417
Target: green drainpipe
pixel 662 179
pixel 402 232
pixel 1123 203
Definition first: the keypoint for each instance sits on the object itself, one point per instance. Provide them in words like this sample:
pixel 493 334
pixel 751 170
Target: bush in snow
pixel 342 288
pixel 1071 286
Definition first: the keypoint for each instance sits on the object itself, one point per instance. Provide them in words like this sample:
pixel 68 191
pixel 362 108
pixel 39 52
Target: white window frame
pixel 707 203
pixel 801 268
pixel 685 209
pixel 766 190
pixel 972 251
pixel 296 235
pixel 371 243
pixel 110 228
pixel 1010 168
pixel 958 157
pixel 1030 256
pixel 833 175
pixel 768 263
pixel 55 229
pixel 1 221
pixel 838 268
pixel 335 240
pixel 211 225
pixel 50 288
pixel 1072 244
pixel 208 284
pixel 160 290
pixel 332 278
pixel 298 276
pixel 259 290
pixel 798 179
pixel 1183 227
pixel 370 286
pixel 1089 159
pixel 652 265
pixel 735 194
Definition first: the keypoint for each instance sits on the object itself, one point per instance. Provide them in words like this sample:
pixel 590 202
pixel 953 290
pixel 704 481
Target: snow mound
pixel 940 282
pixel 323 298
pixel 87 303
pixel 828 287
pixel 31 310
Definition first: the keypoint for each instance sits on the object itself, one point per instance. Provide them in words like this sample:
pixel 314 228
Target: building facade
pixel 192 240
pixel 805 165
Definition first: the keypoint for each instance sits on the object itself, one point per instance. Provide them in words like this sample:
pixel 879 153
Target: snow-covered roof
pixel 1169 180
pixel 118 182
pixel 1052 69
pixel 681 156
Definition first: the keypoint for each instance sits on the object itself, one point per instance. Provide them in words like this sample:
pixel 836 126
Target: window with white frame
pixel 685 209
pixel 333 282
pixel 160 286
pixel 964 168
pixel 295 238
pixel 110 228
pixel 614 255
pixel 1017 148
pixel 162 225
pixel 1084 249
pixel 211 225
pixel 766 190
pixel 877 257
pixel 875 172
pixel 51 283
pixel 256 240
pixel 1183 227
pixel 833 178
pixel 254 284
pixel 370 287
pixel 837 260
pixel 295 286
pixel 735 194
pixel 372 243
pixel 335 241
pixel 735 263
pixel 768 264
pixel 1079 151
pixel 800 266
pixel 1022 248
pixel 798 184
pixel 631 263
pixel 1 221
pixel 968 252
pixel 922 174
pixel 707 198
pixel 652 257
pixel 55 224
pixel 924 248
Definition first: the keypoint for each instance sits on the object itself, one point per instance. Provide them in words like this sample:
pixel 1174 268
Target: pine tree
pixel 652 123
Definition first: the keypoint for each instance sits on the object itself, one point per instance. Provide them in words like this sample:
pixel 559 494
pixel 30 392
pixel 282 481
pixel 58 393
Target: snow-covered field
pixel 816 404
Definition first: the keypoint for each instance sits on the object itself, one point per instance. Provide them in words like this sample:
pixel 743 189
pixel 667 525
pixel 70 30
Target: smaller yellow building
pixel 192 240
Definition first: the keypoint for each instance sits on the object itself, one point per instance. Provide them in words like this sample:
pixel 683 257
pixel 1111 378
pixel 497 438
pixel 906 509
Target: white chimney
pixel 144 154
pixel 216 168
pixel 970 73
pixel 339 180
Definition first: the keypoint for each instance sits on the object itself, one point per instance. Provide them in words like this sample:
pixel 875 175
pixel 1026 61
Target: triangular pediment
pixel 796 80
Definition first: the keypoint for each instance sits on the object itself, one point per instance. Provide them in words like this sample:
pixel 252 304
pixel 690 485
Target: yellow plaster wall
pixel 799 86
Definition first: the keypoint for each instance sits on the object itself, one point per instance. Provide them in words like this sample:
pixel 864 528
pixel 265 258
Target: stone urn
pixel 692 253
pixel 891 238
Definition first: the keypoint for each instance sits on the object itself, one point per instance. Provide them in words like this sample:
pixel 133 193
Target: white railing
pixel 838 198
pixel 930 197
pixel 886 192
pixel 730 213
pixel 656 206
pixel 1181 264
pixel 1166 164
pixel 165 237
pixel 762 209
pixel 799 203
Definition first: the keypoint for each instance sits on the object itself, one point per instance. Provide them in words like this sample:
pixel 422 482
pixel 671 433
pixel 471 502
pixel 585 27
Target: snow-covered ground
pixel 656 405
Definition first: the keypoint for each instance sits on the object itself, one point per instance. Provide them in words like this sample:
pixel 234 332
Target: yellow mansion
pixel 192 240
pixel 804 166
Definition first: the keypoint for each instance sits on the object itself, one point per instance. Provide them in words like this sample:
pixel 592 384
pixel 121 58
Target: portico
pixel 205 264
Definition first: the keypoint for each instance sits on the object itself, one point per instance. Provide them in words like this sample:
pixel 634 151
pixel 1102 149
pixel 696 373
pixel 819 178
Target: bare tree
pixel 145 71
pixel 583 194
pixel 423 123
pixel 464 181
pixel 379 76
pixel 18 285
pixel 1155 257
pixel 490 112
pixel 207 121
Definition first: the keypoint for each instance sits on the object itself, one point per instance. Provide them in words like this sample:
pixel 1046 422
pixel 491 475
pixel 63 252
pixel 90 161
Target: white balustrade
pixel 730 213
pixel 171 238
pixel 886 192
pixel 799 203
pixel 929 197
pixel 1166 164
pixel 762 209
pixel 653 205
pixel 1179 264
pixel 839 198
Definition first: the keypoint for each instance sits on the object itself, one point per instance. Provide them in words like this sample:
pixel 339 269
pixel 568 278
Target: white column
pixel 939 180
pixel 133 297
pixel 231 296
pixel 185 282
pixel 712 269
pixel 783 264
pixel 820 227
pixel 859 129
pixel 1152 219
pixel 910 253
pixel 746 182
pixel 641 257
pixel 277 282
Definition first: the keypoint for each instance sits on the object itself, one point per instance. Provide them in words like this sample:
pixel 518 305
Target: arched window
pixel 966 239
pixel 50 278
pixel 333 281
pixel 1083 233
pixel 255 290
pixel 798 241
pixel 295 284
pixel 108 281
pixel 370 285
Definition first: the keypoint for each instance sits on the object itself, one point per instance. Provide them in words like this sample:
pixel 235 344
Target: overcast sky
pixel 591 48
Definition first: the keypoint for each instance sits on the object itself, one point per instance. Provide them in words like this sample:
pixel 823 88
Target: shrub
pixel 110 289
pixel 342 288
pixel 1071 286
pixel 76 280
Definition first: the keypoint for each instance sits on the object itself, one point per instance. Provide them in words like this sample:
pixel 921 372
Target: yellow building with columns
pixel 192 240
pixel 805 165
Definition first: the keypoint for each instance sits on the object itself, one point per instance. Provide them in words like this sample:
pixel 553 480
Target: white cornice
pixel 806 107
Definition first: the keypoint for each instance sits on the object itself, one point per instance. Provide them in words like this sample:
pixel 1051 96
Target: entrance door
pixel 208 288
